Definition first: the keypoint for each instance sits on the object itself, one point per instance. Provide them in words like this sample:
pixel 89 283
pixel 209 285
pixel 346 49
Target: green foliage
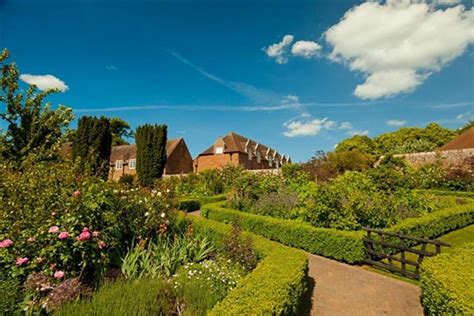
pixel 447 283
pixel 361 143
pixel 331 243
pixel 275 286
pixel 199 286
pixel 120 130
pixel 239 249
pixel 151 152
pixel 437 223
pixel 124 298
pixel 414 139
pixel 92 146
pixel 189 204
pixel 50 194
pixel 10 292
pixel 34 129
pixel 127 180
pixel 164 256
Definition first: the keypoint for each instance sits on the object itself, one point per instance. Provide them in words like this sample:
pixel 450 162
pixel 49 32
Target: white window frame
pixel 132 164
pixel 259 158
pixel 219 150
pixel 118 164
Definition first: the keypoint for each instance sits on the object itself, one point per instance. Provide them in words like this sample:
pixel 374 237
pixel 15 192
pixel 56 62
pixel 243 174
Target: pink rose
pixel 95 233
pixel 77 194
pixel 59 274
pixel 53 230
pixel 6 243
pixel 101 244
pixel 20 261
pixel 85 229
pixel 85 235
pixel 63 235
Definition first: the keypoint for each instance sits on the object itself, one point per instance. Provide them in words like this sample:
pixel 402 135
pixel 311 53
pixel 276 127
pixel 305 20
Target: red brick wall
pixel 202 163
pixel 180 161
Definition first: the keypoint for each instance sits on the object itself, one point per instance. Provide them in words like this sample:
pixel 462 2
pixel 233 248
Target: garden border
pixel 346 246
pixel 446 283
pixel 276 286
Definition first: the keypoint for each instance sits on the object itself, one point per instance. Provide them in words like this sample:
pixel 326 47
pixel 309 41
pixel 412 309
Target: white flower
pixel 163 215
pixel 159 194
pixel 147 214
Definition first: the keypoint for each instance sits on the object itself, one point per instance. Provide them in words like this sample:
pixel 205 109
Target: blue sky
pixel 205 68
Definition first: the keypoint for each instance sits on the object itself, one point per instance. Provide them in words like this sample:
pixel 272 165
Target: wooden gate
pixel 394 247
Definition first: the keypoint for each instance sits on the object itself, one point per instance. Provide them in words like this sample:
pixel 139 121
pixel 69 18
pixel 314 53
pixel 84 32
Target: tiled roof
pixel 237 143
pixel 125 152
pixel 463 141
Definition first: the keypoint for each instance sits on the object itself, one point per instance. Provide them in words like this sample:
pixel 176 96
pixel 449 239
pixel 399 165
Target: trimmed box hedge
pixel 341 245
pixel 346 246
pixel 461 194
pixel 447 283
pixel 275 287
pixel 193 204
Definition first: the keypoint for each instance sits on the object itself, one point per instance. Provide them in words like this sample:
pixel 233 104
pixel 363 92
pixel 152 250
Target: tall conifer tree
pixel 151 152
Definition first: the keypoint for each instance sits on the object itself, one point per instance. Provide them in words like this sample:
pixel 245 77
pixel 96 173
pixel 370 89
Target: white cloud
pixel 397 45
pixel 345 125
pixel 395 123
pixel 111 67
pixel 290 99
pixel 278 50
pixel 358 132
pixel 306 49
pixel 45 82
pixel 465 116
pixel 307 127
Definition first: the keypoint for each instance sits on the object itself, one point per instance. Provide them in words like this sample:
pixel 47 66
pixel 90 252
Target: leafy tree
pixel 120 130
pixel 92 145
pixel 414 139
pixel 362 143
pixel 151 152
pixel 34 128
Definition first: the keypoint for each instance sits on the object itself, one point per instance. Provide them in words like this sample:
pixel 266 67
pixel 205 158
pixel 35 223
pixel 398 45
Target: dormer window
pixel 132 164
pixel 219 150
pixel 250 153
pixel 259 158
pixel 119 164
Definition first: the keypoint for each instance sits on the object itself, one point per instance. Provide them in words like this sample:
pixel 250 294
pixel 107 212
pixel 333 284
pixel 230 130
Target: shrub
pixel 189 204
pixel 151 152
pixel 123 298
pixel 275 286
pixel 10 292
pixel 340 245
pixel 447 283
pixel 278 204
pixel 127 180
pixel 239 249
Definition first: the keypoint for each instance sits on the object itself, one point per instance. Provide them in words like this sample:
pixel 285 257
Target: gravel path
pixel 342 289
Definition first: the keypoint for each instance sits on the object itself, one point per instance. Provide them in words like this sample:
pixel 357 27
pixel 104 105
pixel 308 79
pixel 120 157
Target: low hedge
pixel 191 204
pixel 437 223
pixel 346 246
pixel 275 287
pixel 461 194
pixel 447 283
pixel 340 245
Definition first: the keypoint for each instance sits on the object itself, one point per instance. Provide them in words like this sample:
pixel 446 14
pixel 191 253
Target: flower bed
pixel 447 283
pixel 344 246
pixel 275 286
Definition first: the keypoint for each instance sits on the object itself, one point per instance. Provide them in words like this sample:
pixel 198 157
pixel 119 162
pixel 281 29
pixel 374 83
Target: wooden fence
pixel 393 247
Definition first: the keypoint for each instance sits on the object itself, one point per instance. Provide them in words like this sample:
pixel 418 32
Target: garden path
pixel 342 289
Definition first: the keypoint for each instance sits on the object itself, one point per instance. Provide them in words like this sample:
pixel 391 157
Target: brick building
pixel 237 150
pixel 123 159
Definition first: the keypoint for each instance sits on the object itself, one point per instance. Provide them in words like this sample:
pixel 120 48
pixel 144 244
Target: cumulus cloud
pixel 358 132
pixel 278 50
pixel 345 125
pixel 306 49
pixel 397 45
pixel 465 116
pixel 111 67
pixel 305 126
pixel 290 99
pixel 395 123
pixel 44 82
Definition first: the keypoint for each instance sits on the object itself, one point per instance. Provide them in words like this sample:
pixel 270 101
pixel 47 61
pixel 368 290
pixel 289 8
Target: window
pixel 119 164
pixel 219 150
pixel 132 164
pixel 259 158
pixel 250 154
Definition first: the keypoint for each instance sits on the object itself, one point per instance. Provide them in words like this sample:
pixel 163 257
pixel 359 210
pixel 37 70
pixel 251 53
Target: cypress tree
pixel 93 145
pixel 151 152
